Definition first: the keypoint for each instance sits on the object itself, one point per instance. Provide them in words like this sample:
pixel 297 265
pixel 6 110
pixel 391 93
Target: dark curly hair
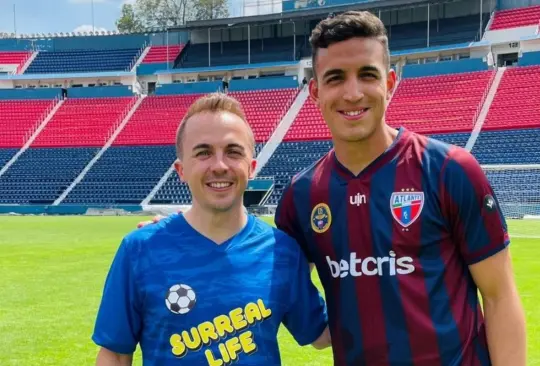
pixel 345 26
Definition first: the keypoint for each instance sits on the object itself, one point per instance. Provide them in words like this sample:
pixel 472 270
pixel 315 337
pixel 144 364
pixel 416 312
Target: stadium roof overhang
pixel 306 14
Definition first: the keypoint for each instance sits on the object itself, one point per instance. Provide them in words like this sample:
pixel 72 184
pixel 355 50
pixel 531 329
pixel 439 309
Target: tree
pixel 210 9
pixel 148 14
pixel 128 21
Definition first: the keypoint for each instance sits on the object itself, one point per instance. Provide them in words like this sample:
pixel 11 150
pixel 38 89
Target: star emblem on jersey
pixel 321 218
pixel 406 206
pixel 180 299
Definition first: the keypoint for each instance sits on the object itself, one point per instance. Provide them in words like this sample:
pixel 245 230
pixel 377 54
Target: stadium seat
pixel 156 120
pixel 517 101
pixel 19 119
pixel 83 61
pixel 84 122
pixel 40 175
pixel 160 54
pixel 443 103
pixel 123 175
pixel 525 146
pixel 513 18
pixel 14 58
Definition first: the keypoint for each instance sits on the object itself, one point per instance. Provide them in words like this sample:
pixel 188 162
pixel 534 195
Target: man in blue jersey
pixel 213 285
pixel 403 229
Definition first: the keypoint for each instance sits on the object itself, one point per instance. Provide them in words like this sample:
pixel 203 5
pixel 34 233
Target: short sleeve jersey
pixel 392 246
pixel 186 300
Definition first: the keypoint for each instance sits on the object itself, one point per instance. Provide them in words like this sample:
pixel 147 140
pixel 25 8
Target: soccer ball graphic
pixel 180 299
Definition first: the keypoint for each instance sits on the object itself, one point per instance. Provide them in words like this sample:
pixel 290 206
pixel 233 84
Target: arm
pixel 480 232
pixel 306 318
pixel 110 358
pixel 286 219
pixel 505 320
pixel 119 321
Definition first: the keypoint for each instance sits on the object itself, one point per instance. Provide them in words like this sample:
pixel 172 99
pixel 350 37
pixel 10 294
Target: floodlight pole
pixel 168 61
pixel 249 44
pixel 428 15
pixel 294 41
pixel 14 20
pixel 93 28
pixel 481 5
pixel 209 47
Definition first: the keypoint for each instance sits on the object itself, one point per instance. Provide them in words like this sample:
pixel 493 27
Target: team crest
pixel 406 206
pixel 321 218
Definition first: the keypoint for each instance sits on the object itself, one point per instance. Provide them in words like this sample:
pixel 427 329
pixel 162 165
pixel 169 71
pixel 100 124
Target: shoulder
pixel 278 239
pixel 307 177
pixel 149 235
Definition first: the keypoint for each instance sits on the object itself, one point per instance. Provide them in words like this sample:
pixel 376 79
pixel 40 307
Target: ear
pixel 391 80
pixel 179 167
pixel 314 91
pixel 252 167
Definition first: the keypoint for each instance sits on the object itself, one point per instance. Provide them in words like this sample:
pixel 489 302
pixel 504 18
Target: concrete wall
pixel 445 67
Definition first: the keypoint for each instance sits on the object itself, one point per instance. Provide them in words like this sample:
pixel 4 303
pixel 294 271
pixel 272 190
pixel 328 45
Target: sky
pixel 54 16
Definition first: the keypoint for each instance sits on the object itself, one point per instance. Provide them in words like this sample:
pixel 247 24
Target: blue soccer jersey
pixel 188 301
pixel 392 246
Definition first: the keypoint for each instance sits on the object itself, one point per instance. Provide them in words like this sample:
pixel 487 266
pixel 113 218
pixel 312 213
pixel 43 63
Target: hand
pixel 153 221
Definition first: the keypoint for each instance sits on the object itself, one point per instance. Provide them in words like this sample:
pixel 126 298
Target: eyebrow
pixel 207 146
pixel 337 72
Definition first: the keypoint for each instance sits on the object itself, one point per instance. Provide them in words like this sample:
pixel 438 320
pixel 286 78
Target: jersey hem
pixel 489 253
pixel 124 350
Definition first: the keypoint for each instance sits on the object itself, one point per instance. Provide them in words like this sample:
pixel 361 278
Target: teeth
pixel 220 185
pixel 354 113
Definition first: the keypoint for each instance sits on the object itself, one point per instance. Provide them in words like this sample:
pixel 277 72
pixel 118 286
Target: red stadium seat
pixel 156 120
pixel 84 122
pixel 14 58
pixel 19 119
pixel 513 18
pixel 158 54
pixel 517 101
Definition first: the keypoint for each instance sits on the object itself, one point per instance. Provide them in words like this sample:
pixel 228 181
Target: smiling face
pixel 217 160
pixel 352 87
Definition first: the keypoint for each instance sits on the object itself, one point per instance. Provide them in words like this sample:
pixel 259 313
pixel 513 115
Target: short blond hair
pixel 214 102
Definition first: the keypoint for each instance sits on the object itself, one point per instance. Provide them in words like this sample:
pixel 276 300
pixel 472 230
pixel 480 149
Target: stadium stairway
pixel 102 151
pixel 485 107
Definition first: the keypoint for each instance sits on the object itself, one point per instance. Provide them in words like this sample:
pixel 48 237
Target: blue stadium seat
pixel 490 147
pixel 40 175
pixel 82 61
pixel 6 155
pixel 123 175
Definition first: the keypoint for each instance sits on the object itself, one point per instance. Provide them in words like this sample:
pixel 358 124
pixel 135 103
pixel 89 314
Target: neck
pixel 357 155
pixel 216 226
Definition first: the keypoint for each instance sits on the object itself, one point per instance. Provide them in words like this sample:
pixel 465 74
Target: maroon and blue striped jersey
pixel 392 246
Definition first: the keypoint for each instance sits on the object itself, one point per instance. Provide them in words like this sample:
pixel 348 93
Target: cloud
pixel 88 28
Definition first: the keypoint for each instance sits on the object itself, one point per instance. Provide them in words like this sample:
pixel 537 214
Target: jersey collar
pixel 345 175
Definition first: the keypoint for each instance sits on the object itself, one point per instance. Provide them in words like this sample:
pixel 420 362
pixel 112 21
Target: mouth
pixel 219 186
pixel 354 114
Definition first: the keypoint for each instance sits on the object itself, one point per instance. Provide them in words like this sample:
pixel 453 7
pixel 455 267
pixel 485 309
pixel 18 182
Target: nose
pixel 219 165
pixel 353 90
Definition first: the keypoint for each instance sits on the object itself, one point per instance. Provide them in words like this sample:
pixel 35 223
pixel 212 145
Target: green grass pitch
pixel 52 271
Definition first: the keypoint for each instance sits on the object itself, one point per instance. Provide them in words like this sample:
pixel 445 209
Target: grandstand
pixel 95 127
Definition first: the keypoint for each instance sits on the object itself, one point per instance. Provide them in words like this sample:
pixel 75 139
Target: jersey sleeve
pixel 471 208
pixel 307 316
pixel 119 320
pixel 286 219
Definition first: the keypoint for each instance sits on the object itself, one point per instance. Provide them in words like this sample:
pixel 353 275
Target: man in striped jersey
pixel 403 229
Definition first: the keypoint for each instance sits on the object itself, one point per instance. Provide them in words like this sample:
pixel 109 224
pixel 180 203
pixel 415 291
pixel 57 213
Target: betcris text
pixel 371 266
